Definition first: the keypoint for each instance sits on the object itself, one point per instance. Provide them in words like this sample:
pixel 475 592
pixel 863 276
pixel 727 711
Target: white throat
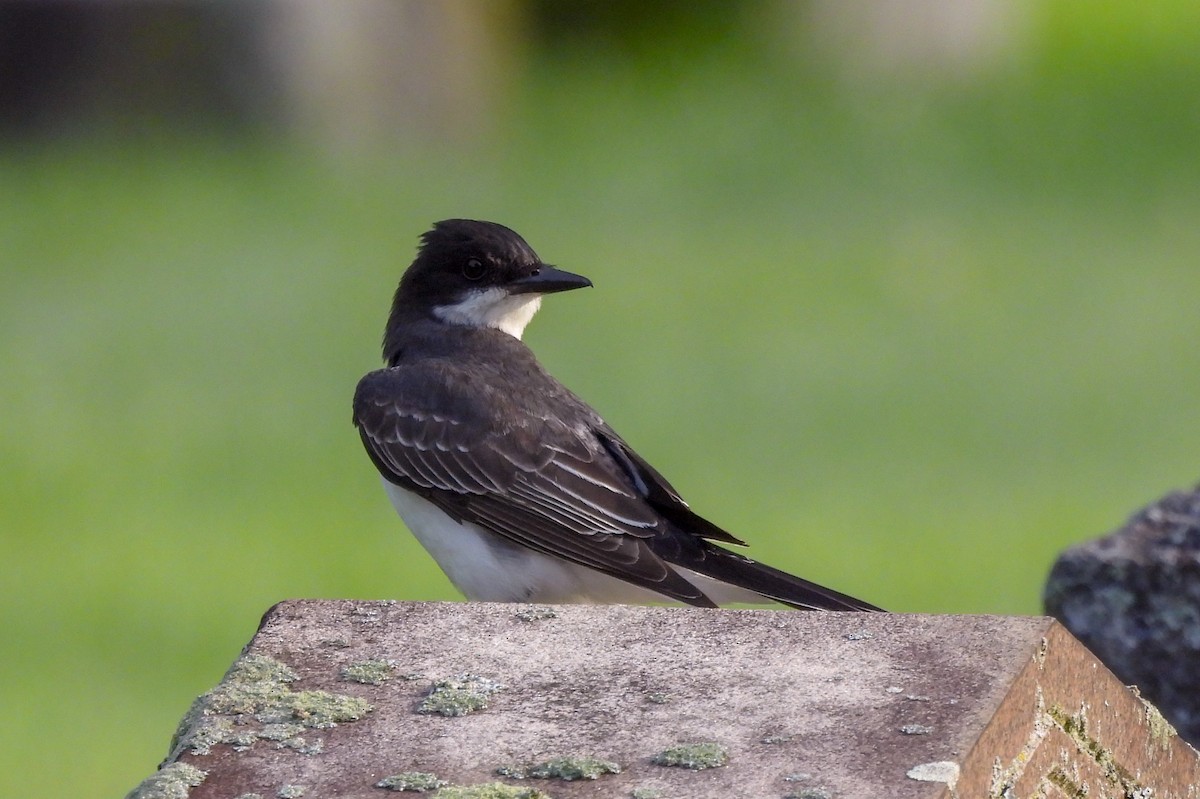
pixel 492 307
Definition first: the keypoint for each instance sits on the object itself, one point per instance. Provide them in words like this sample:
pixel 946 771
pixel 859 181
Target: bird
pixel 518 489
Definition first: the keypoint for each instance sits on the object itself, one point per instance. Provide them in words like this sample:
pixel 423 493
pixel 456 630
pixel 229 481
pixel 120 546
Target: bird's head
pixel 478 274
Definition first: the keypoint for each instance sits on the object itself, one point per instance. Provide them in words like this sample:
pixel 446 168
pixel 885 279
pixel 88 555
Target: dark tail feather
pixel 729 567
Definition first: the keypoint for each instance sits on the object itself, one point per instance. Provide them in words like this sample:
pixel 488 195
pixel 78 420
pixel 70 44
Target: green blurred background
pixel 925 278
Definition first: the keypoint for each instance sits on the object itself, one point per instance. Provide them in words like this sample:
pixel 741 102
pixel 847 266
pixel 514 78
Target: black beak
pixel 547 280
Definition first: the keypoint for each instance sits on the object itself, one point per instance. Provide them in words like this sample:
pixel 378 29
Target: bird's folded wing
pixel 531 480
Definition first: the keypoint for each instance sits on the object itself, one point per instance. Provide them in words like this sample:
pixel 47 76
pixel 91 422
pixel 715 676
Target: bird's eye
pixel 473 269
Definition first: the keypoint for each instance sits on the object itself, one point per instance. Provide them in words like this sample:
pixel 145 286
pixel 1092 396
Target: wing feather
pixel 532 480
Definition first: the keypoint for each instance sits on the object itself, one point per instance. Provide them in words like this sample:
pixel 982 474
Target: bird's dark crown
pixel 457 257
pixel 461 255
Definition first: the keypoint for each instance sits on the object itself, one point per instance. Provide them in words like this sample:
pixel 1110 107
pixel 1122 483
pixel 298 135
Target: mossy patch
pixel 694 756
pixel 370 672
pixel 459 695
pixel 255 702
pixel 172 781
pixel 1161 731
pixel 1076 726
pixel 563 768
pixel 809 793
pixel 536 614
pixel 490 790
pixel 415 781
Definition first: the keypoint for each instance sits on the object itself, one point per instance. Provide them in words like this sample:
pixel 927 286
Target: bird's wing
pixel 660 494
pixel 450 437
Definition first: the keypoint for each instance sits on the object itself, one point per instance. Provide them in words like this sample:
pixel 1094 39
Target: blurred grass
pixel 935 338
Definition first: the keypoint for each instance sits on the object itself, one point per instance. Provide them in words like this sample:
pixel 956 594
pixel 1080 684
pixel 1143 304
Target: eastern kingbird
pixel 515 486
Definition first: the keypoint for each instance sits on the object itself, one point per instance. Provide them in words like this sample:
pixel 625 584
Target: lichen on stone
pixel 290 736
pixel 1161 731
pixel 809 793
pixel 916 729
pixel 694 756
pixel 536 614
pixel 1076 726
pixel 946 771
pixel 415 781
pixel 563 768
pixel 459 695
pixel 490 790
pixel 319 709
pixel 376 671
pixel 255 702
pixel 172 781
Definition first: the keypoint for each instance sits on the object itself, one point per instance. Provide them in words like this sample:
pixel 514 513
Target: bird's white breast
pixel 488 569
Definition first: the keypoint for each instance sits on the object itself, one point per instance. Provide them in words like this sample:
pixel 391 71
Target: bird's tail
pixel 731 569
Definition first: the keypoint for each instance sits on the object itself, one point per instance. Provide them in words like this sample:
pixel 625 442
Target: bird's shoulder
pixel 482 381
pixel 485 410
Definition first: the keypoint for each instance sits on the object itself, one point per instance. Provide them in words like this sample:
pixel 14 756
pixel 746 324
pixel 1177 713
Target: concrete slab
pixel 332 697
